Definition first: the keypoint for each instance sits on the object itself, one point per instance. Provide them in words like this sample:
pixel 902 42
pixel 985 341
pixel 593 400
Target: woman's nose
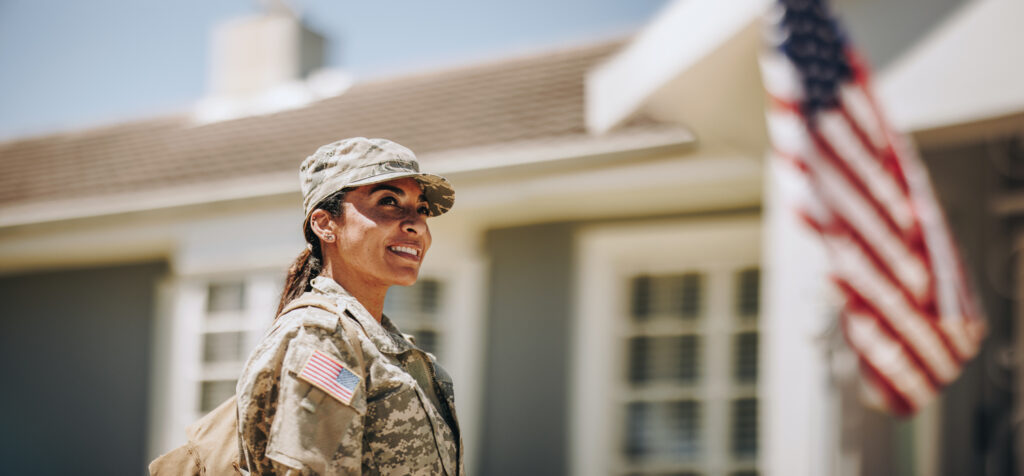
pixel 415 223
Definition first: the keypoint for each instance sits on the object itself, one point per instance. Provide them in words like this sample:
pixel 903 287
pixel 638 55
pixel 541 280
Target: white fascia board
pixel 146 200
pixel 673 183
pixel 520 156
pixel 562 151
pixel 682 34
pixel 969 68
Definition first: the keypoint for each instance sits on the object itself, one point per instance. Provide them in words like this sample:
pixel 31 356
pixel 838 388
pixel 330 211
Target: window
pixel 223 341
pixel 225 297
pixel 666 431
pixel 233 313
pixel 416 310
pixel 748 293
pixel 743 414
pixel 744 428
pixel 745 358
pixel 215 392
pixel 677 296
pixel 665 346
pixel 221 347
pixel 664 360
pixel 668 402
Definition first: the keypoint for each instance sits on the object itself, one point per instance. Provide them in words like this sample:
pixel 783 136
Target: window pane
pixel 744 428
pixel 675 295
pixel 685 473
pixel 430 291
pixel 641 297
pixel 426 340
pixel 223 347
pixel 415 309
pixel 690 290
pixel 748 289
pixel 661 359
pixel 414 304
pixel 213 393
pixel 663 431
pixel 226 296
pixel 745 357
pixel 398 303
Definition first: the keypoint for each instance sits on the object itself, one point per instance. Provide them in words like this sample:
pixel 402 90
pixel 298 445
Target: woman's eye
pixel 423 210
pixel 388 201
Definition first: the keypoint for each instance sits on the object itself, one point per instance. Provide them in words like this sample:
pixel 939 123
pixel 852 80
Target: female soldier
pixel 345 392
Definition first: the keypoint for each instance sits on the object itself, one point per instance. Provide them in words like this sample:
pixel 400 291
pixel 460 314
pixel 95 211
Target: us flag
pixel 908 313
pixel 327 374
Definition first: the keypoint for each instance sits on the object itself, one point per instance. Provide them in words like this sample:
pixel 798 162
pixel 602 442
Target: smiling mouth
pixel 405 251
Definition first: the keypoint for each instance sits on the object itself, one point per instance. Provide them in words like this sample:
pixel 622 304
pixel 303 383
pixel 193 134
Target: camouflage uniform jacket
pixel 391 425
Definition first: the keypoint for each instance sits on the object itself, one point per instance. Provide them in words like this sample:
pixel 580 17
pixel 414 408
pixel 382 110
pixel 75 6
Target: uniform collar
pixel 384 334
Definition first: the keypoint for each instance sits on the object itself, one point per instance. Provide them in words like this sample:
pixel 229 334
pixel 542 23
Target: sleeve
pixel 316 423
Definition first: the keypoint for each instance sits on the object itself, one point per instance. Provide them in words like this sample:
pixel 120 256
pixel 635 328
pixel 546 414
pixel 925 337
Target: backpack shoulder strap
pixel 311 300
pixel 348 324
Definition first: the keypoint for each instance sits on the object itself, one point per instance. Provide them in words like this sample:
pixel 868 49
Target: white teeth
pixel 406 249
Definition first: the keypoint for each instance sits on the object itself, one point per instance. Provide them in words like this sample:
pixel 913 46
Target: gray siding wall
pixel 74 353
pixel 526 382
pixel 977 435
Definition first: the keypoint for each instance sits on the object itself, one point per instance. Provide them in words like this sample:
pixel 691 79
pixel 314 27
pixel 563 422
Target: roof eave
pixel 461 165
pixel 683 34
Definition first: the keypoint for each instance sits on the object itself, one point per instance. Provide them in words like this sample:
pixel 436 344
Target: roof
pixel 511 101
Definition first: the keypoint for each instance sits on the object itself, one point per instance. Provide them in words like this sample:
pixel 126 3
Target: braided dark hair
pixel 309 263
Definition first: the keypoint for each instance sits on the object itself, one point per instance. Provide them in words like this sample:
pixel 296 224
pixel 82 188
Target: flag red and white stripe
pixel 909 313
pixel 329 375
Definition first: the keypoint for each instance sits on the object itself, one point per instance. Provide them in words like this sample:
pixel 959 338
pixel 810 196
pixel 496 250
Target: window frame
pixel 608 257
pixel 178 353
pixel 177 346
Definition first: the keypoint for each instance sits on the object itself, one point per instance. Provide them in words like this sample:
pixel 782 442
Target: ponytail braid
pixel 309 263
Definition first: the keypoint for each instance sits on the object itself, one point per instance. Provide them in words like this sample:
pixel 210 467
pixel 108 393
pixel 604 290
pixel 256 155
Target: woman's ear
pixel 322 225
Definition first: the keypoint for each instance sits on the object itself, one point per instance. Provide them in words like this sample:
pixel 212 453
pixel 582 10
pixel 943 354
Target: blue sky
pixel 72 64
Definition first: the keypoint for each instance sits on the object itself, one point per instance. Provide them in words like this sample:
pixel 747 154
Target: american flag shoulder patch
pixel 327 374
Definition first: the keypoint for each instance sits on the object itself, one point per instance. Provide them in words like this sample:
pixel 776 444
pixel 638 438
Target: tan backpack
pixel 213 447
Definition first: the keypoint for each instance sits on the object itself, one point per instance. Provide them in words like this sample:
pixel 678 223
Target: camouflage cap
pixel 358 161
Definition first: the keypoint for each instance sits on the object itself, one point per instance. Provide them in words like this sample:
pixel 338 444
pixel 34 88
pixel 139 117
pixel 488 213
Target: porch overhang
pixel 670 49
pixel 968 70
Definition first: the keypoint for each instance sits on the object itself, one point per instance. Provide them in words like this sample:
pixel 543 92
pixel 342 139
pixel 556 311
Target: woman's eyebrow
pixel 395 190
pixel 389 188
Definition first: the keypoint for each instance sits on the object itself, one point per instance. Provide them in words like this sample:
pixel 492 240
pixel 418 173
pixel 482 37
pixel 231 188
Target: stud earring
pixel 329 238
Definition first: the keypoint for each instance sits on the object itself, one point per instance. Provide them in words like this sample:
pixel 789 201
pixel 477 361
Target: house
pixel 595 292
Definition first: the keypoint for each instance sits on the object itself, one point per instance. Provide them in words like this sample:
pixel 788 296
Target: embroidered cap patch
pixel 329 375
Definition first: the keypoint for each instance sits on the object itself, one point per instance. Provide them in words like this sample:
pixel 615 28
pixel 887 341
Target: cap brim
pixel 439 192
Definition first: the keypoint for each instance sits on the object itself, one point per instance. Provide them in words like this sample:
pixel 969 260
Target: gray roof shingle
pixel 513 100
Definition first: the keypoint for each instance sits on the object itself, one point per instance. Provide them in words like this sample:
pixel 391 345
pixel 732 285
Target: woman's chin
pixel 406 279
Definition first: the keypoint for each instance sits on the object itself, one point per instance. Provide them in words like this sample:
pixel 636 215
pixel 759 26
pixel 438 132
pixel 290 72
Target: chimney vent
pixel 254 54
pixel 259 65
